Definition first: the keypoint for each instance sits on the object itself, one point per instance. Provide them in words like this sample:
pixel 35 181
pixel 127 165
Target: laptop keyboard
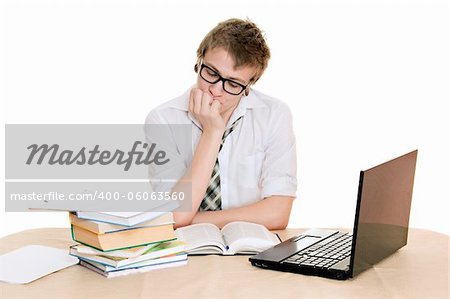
pixel 325 253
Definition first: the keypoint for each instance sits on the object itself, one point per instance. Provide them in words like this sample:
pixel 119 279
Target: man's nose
pixel 216 89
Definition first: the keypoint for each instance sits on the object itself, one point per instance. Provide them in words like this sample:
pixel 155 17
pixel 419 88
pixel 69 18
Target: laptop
pixel 380 228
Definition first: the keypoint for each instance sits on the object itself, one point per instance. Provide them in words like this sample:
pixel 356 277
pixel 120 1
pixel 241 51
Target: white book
pixel 124 272
pixel 127 218
pixel 234 238
pixel 162 260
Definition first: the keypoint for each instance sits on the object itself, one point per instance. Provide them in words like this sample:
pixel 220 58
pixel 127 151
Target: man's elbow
pixel 278 223
pixel 181 219
pixel 280 219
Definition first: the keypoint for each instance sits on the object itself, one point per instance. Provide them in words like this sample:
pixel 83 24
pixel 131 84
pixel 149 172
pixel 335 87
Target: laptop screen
pixel 382 212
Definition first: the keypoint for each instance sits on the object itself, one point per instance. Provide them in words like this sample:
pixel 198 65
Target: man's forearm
pixel 203 162
pixel 272 212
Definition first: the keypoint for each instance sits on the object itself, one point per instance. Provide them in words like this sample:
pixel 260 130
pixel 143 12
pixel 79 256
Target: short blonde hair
pixel 243 40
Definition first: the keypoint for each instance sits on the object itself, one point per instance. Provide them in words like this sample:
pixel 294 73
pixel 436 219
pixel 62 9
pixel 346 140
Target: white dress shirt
pixel 257 160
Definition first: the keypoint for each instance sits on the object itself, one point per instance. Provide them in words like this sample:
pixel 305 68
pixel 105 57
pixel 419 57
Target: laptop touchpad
pixel 287 248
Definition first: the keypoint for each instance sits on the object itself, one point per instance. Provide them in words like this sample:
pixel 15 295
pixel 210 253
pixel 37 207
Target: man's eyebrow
pixel 230 78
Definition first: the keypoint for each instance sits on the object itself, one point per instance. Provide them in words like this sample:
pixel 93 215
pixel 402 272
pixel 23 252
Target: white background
pixel 366 81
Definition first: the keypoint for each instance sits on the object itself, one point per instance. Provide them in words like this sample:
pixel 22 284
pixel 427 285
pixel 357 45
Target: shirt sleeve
pixel 172 140
pixel 279 171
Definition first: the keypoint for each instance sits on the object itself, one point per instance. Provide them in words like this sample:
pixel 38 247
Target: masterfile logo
pixel 94 167
pixel 54 155
pixel 91 151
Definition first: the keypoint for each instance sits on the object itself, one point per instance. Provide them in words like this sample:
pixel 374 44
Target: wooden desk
pixel 419 270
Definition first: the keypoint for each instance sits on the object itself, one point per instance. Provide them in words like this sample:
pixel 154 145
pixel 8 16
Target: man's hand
pixel 206 111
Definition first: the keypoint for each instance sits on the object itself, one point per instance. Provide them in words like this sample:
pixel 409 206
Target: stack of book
pixel 120 243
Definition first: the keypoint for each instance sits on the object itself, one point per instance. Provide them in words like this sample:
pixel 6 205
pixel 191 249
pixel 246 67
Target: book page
pixel 248 238
pixel 31 262
pixel 201 238
pixel 122 253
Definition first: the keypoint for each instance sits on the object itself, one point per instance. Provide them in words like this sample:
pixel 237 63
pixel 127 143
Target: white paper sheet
pixel 32 262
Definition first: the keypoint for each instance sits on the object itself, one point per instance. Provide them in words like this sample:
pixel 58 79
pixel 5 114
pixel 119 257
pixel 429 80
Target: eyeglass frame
pixel 202 66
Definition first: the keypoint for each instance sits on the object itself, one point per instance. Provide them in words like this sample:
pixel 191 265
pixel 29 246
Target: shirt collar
pixel 251 101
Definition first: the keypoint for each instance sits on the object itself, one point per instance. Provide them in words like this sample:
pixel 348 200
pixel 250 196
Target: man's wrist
pixel 214 134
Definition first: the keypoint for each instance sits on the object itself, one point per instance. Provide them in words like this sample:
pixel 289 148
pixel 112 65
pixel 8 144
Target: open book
pixel 235 238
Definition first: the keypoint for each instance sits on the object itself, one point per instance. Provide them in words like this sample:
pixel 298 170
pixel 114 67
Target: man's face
pixel 220 61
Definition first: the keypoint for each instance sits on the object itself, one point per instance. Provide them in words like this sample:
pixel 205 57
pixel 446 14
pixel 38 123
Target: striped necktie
pixel 213 199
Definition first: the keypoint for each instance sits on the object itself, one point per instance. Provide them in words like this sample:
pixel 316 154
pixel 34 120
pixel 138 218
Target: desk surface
pixel 419 270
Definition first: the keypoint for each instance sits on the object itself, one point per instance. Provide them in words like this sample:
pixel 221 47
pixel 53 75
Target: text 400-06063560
pixel 98 195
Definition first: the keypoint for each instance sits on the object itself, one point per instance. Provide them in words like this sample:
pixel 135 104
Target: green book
pixel 153 252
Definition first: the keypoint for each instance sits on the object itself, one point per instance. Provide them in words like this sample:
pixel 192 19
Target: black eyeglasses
pixel 230 86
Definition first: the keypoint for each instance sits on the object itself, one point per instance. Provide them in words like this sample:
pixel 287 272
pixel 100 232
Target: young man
pixel 243 165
